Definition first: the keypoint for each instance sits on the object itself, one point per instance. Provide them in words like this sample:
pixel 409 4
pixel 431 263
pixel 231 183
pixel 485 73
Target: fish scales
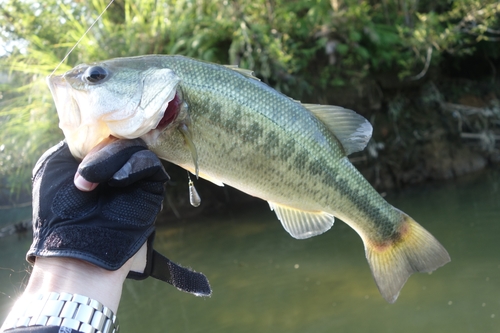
pixel 233 129
pixel 290 153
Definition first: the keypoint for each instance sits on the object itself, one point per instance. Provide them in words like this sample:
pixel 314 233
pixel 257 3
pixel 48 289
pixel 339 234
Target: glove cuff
pixel 162 268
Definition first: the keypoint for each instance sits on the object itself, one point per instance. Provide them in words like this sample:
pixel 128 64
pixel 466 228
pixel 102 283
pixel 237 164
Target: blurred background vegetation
pixel 425 73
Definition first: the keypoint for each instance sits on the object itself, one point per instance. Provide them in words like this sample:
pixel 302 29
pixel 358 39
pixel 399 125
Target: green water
pixel 265 281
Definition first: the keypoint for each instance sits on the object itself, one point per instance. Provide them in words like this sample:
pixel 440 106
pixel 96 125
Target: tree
pixel 304 48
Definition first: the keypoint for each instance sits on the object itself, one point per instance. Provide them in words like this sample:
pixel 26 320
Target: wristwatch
pixel 62 309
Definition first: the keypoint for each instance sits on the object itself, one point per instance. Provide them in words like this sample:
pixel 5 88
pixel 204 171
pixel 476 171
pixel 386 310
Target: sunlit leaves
pixel 301 47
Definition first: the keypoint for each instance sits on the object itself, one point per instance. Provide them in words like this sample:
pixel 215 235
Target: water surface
pixel 265 281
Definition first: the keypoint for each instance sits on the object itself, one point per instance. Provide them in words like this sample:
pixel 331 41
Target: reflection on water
pixel 15 219
pixel 265 281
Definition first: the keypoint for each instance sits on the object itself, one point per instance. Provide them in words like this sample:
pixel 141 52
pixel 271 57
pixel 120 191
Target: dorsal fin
pixel 245 72
pixel 351 129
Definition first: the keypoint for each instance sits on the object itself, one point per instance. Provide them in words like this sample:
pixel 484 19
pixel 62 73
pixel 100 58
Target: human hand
pixel 105 224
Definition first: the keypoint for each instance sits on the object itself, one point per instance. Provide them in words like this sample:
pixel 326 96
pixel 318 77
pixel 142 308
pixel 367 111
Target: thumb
pixel 82 184
pixel 107 158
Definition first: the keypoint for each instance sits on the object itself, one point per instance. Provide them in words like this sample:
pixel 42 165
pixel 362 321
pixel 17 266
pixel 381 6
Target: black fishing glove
pixel 108 225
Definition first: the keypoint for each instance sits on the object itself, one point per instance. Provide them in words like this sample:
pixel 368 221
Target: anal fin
pixel 302 224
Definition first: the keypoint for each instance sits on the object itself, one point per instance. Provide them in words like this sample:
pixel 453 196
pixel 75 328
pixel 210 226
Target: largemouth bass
pixel 226 126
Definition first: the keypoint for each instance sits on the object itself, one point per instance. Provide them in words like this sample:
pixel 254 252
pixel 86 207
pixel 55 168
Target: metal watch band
pixel 61 309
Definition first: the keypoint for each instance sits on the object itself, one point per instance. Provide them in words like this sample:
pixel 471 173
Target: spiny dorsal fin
pixel 301 224
pixel 245 72
pixel 351 129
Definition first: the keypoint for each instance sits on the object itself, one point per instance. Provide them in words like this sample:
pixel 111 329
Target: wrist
pixel 73 276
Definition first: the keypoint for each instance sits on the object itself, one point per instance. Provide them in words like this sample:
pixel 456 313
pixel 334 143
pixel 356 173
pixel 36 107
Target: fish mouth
pixel 58 87
pixel 83 130
pixel 79 137
pixel 67 108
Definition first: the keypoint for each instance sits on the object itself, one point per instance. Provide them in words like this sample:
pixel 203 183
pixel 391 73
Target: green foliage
pixel 300 47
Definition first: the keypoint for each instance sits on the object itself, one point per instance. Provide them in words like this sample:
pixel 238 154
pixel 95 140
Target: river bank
pixel 440 128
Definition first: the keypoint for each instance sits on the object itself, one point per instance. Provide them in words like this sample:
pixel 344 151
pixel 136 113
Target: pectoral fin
pixel 188 138
pixel 302 224
pixel 204 176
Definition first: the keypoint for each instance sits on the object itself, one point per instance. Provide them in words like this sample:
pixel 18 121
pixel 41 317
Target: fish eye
pixel 95 74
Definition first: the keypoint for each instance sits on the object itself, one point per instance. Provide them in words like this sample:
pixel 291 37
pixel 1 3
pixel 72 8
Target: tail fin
pixel 413 250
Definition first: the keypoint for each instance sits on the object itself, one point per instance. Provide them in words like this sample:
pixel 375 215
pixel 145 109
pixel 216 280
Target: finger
pixel 142 165
pixel 82 184
pixel 105 142
pixel 100 165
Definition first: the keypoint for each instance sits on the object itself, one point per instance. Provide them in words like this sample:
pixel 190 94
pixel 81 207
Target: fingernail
pixel 82 184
